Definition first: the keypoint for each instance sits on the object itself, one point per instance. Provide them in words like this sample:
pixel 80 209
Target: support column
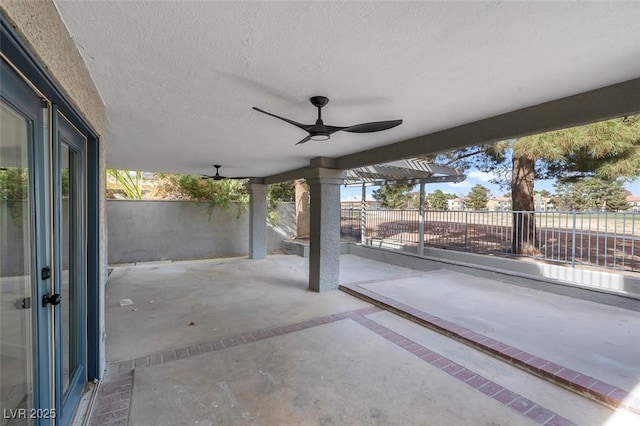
pixel 324 244
pixel 257 220
pixel 421 222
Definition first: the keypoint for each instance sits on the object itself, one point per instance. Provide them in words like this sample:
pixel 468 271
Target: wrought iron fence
pixel 601 239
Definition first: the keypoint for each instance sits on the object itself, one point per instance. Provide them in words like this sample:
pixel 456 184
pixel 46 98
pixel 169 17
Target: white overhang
pixel 179 78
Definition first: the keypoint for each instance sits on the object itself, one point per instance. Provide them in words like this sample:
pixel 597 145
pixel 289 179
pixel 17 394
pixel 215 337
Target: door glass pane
pixel 71 257
pixel 16 376
pixel 68 262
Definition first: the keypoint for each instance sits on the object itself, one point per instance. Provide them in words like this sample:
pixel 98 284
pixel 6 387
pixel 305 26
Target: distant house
pixel 542 204
pixel 456 204
pixel 499 203
pixel 634 203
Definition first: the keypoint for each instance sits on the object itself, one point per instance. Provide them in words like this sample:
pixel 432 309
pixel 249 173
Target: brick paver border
pixel 499 393
pixel 114 397
pixel 609 395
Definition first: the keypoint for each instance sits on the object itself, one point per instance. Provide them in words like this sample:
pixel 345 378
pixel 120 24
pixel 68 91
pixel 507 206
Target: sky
pixel 474 177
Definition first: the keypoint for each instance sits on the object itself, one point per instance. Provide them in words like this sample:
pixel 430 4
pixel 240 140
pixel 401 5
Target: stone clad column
pixel 324 243
pixel 257 220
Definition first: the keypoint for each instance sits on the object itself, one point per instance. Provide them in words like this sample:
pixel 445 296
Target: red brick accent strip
pixel 114 398
pixel 493 390
pixel 575 381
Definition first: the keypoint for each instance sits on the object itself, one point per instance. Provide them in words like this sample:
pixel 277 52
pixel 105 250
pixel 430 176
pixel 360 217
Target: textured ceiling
pixel 179 78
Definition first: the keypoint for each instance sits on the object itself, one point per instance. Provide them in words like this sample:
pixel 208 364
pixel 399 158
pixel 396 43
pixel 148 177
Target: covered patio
pixel 231 341
pixel 174 87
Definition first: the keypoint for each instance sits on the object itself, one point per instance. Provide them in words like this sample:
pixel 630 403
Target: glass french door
pixel 25 326
pixel 69 254
pixel 42 258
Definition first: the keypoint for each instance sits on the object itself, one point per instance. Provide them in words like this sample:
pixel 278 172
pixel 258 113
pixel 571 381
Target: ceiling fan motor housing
pixel 319 101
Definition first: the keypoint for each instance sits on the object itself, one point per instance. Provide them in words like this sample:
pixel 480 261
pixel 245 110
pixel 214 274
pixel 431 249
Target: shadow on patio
pixel 238 341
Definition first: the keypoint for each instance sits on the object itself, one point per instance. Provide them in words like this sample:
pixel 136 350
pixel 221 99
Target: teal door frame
pixel 66 136
pixel 18 95
pixel 30 77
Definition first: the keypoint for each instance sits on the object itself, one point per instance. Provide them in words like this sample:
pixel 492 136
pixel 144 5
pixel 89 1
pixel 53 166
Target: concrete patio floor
pixel 262 349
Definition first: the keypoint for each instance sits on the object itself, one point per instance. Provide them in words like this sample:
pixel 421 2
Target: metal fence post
pixel 573 242
pixel 466 229
pixel 633 238
pixel 421 222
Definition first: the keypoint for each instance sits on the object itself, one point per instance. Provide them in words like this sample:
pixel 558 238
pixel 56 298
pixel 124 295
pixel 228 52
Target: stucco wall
pixel 141 231
pixel 44 32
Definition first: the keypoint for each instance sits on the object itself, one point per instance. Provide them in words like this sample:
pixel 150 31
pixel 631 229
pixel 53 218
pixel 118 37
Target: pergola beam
pixel 412 181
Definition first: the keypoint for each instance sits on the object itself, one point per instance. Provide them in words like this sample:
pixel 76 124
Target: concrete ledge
pixel 297 247
pixel 301 247
pixel 566 377
pixel 598 286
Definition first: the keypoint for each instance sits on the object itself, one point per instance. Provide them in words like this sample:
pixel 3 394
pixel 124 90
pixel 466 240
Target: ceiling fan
pixel 320 132
pixel 217 176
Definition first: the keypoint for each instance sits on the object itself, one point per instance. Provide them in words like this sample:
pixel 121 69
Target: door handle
pixel 53 299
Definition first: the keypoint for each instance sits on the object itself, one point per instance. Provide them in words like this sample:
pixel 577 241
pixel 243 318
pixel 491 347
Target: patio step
pixel 584 385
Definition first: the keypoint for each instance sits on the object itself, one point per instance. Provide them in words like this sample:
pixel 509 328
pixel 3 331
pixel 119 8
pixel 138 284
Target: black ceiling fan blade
pixel 375 126
pixel 307 139
pixel 332 129
pixel 295 123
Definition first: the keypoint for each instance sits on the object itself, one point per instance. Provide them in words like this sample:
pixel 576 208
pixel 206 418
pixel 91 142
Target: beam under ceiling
pixel 608 102
pixel 600 104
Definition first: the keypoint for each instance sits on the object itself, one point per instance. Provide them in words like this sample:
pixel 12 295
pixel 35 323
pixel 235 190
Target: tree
pixel 292 191
pixel 303 210
pixel 129 181
pixel 283 191
pixel 478 197
pixel 223 193
pixel 393 196
pixel 592 194
pixel 608 150
pixel 14 190
pixel 14 184
pixel 438 200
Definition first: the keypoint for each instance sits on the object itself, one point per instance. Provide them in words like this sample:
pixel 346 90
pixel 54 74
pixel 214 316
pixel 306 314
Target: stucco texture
pixel 44 32
pixel 142 231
